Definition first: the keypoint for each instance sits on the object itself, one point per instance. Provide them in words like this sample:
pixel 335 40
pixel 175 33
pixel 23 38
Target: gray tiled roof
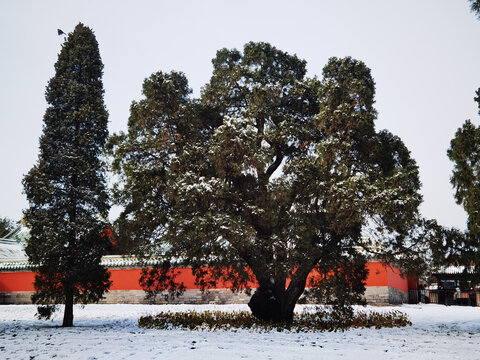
pixel 111 261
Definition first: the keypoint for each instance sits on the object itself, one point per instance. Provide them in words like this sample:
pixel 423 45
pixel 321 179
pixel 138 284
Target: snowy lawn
pixel 111 332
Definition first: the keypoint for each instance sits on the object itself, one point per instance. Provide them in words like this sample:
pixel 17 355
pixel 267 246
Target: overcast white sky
pixel 424 56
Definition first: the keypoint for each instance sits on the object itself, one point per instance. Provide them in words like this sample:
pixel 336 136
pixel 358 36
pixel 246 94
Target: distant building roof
pixel 20 234
pixel 109 261
pixel 452 270
pixel 13 256
pixel 11 250
pixel 12 246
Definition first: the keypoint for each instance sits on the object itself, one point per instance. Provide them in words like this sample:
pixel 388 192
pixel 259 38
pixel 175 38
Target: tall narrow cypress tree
pixel 66 189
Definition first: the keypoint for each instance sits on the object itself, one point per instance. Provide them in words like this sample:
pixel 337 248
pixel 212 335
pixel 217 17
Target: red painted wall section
pixel 395 280
pixel 412 283
pixel 127 279
pixel 17 281
pixel 377 274
pixel 123 279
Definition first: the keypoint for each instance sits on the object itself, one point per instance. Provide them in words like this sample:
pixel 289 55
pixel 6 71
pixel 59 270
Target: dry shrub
pixel 304 322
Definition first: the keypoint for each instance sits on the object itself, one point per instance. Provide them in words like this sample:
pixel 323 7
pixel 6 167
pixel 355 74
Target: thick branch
pixel 273 166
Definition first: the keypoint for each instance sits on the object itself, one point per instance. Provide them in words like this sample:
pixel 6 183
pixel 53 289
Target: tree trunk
pixel 265 305
pixel 68 313
pixel 272 302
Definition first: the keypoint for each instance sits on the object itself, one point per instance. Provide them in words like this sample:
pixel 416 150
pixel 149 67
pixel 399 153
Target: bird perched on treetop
pixel 60 32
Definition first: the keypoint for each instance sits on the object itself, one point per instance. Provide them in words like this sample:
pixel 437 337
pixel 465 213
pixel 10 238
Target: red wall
pixel 395 280
pixel 386 275
pixel 127 279
pixel 123 279
pixel 377 274
pixel 16 281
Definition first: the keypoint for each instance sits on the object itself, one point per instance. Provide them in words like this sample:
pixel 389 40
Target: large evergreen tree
pixel 464 151
pixel 455 247
pixel 266 177
pixel 66 189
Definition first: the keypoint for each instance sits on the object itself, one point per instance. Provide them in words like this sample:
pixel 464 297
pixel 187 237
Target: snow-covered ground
pixel 111 332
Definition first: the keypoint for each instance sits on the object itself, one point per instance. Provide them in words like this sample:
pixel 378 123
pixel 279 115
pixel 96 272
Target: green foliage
pixel 6 225
pixel 477 99
pixel 339 285
pixel 66 189
pixel 158 126
pixel 160 279
pixel 475 7
pixel 464 152
pixel 46 312
pixel 269 171
pixel 305 322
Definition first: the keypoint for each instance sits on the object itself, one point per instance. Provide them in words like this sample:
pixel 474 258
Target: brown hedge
pixel 304 322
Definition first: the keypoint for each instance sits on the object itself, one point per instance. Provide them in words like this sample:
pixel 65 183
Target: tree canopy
pixel 464 151
pixel 66 189
pixel 268 176
pixel 455 247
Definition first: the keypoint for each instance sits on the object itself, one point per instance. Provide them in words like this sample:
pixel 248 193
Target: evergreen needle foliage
pixel 464 151
pixel 66 189
pixel 475 7
pixel 453 246
pixel 267 176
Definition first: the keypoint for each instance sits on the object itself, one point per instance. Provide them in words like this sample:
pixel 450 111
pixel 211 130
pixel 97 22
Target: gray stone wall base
pixel 215 296
pixel 375 295
pixel 396 296
pixel 16 297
